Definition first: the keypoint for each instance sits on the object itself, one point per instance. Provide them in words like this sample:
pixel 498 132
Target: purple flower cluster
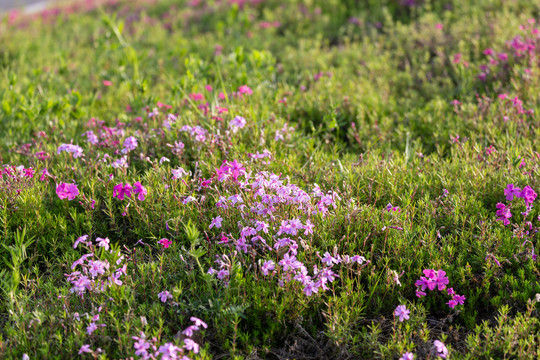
pixel 267 234
pixel 121 191
pixel 437 280
pixel 147 348
pixel 95 274
pixel 76 150
pixel 511 192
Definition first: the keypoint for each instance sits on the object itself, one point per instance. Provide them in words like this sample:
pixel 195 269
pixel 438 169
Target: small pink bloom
pixel 164 296
pixel 165 243
pixel 402 312
pixel 107 83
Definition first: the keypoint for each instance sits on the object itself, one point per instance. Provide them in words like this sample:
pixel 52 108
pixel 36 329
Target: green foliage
pixel 362 94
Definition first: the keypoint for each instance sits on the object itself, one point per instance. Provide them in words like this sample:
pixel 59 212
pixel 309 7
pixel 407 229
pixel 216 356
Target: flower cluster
pixel 511 192
pixel 148 349
pixel 121 191
pixel 437 280
pixel 76 150
pixel 96 274
pixel 267 234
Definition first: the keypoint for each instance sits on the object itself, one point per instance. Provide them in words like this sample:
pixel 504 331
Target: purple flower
pixel 267 267
pixel 402 312
pixel 216 222
pixel 460 299
pixel 503 214
pixel 237 123
pixel 191 345
pixel 169 351
pixel 68 191
pixel 407 356
pixel 164 296
pixel 511 191
pixel 528 195
pixel 82 239
pixel 120 191
pixel 441 280
pixel 85 349
pixel 198 322
pixel 76 150
pixel 103 242
pixel 140 190
pixel 129 144
pixel 141 347
pixel 178 173
pixel 189 330
pixel 442 351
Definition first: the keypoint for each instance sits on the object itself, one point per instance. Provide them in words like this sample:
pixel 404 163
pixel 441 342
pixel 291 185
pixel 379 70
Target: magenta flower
pixel 68 191
pixel 140 190
pixel 402 312
pixel 528 195
pixel 165 242
pixel 120 191
pixel 441 281
pixel 244 89
pixel 503 214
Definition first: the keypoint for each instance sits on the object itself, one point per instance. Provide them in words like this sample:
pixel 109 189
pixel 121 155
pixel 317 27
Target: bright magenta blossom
pixel 120 191
pixel 68 191
pixel 140 190
pixel 165 242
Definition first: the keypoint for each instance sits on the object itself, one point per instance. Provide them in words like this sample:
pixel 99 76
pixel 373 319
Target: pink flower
pixel 164 296
pixel 189 330
pixel 191 345
pixel 130 144
pixel 141 190
pixel 402 312
pixel 442 351
pixel 107 83
pixel 407 356
pixel 120 191
pixel 244 89
pixel 268 266
pixel 68 191
pixel 216 222
pixel 103 242
pixel 237 123
pixel 85 349
pixel 441 280
pixel 169 351
pixel 165 242
pixel 198 322
pixel 83 239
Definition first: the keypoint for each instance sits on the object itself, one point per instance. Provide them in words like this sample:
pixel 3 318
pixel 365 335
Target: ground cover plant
pixel 270 179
